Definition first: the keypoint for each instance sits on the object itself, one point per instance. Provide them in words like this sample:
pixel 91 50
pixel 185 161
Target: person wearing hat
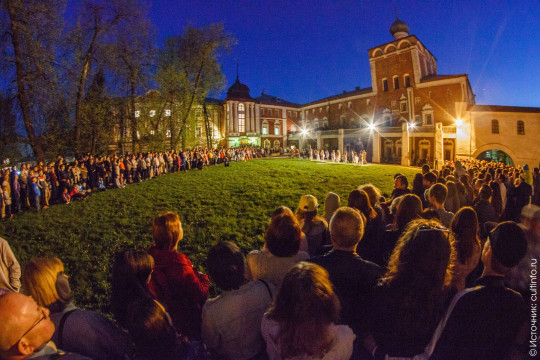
pixel 313 226
pixel 486 319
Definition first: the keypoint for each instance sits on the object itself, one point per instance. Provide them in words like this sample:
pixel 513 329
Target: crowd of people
pixel 440 270
pixel 60 182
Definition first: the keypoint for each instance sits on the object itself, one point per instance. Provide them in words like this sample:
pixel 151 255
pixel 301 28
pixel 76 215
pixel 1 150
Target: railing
pixel 449 129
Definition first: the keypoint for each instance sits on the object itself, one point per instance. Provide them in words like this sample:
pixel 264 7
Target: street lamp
pixel 459 121
pixel 372 127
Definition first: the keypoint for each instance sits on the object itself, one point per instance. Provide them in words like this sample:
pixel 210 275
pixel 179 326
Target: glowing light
pixel 459 122
pixel 304 132
pixel 372 127
pixel 412 125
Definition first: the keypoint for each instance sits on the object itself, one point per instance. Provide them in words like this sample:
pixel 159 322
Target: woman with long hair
pixel 370 247
pixel 410 208
pixel 131 274
pixel 80 331
pixel 452 202
pixel 418 185
pixel 467 244
pixel 175 282
pixel 300 324
pixel 410 299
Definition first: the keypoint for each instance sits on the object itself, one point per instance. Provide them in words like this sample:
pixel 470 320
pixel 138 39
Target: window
pixel 276 130
pixel 520 127
pixel 277 113
pixel 349 105
pixel 137 114
pixel 265 128
pixel 340 106
pixel 288 113
pixel 368 101
pixel 262 112
pixel 241 122
pixel 269 112
pixel 168 133
pixel 396 82
pixel 417 100
pixel 403 106
pixel 320 110
pixel 198 131
pixel 152 132
pixel 152 113
pixel 241 107
pixel 429 120
pixel 494 126
pixel 385 85
pixel 167 112
pixel 407 81
pixel 138 135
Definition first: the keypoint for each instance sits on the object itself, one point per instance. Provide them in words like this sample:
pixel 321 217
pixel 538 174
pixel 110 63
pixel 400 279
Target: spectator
pixel 437 197
pixel 452 203
pixel 231 322
pixel 25 330
pixel 353 278
pixel 371 246
pixel 281 250
pixel 401 185
pixel 429 179
pixel 418 185
pixel 467 245
pixel 486 319
pixel 85 332
pixel 332 202
pixel 131 273
pixel 175 283
pixel 409 302
pixel 283 209
pixel 313 226
pixel 301 321
pixel 10 270
pixel 484 209
pixel 409 208
pixel 375 198
pixel 496 199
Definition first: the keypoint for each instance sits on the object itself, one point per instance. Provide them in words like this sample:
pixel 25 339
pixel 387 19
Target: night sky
pixel 302 51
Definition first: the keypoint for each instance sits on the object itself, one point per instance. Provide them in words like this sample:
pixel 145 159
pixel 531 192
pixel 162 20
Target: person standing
pixel 10 270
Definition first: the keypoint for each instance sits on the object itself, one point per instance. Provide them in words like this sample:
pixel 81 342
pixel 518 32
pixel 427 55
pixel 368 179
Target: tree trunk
pixel 24 101
pixel 134 139
pixel 188 110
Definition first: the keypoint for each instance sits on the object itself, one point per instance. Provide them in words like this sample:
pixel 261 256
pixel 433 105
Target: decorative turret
pixel 399 29
pixel 238 90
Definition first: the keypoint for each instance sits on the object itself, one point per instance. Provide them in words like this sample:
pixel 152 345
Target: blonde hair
pixel 39 279
pixel 167 230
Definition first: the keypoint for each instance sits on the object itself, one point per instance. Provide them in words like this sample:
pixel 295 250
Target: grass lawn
pixel 215 204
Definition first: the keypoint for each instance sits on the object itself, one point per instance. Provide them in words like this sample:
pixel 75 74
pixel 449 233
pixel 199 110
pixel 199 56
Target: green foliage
pixel 215 204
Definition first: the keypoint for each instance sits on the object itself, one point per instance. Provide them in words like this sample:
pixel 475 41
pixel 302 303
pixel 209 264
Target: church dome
pixel 238 91
pixel 399 29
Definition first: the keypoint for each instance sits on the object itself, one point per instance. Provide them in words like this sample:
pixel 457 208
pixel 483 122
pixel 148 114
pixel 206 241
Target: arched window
pixel 265 127
pixel 396 82
pixel 520 127
pixel 241 107
pixel 494 126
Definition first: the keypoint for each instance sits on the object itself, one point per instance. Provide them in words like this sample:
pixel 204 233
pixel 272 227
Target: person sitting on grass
pixel 175 282
pixel 280 253
pixel 301 323
pixel 66 198
pixel 231 322
pixel 313 226
pixel 81 331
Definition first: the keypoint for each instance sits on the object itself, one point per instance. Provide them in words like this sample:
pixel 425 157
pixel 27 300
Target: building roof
pixel 274 100
pixel 238 91
pixel 344 94
pixel 501 108
pixel 441 77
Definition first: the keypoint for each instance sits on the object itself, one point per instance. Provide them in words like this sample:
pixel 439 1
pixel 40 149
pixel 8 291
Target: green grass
pixel 216 204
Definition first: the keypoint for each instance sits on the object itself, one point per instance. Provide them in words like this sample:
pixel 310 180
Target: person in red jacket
pixel 175 283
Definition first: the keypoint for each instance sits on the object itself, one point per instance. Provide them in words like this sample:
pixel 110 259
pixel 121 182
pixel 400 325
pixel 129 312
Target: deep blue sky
pixel 304 50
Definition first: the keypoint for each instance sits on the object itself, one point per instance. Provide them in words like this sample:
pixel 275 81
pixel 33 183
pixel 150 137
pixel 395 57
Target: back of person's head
pixel 465 228
pixel 25 326
pixel 332 202
pixel 464 179
pixel 485 192
pixel 425 169
pixel 225 265
pixel 508 246
pixel 418 182
pixel 359 200
pixel 438 192
pixel 283 235
pixel 131 272
pixel 304 307
pixel 430 178
pixel 403 180
pixel 151 329
pixel 43 280
pixel 410 207
pixel 167 230
pixel 282 210
pixel 346 228
pixel 373 192
pixel 422 257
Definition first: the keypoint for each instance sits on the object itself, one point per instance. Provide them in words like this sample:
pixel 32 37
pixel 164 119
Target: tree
pixel 188 69
pixel 34 32
pixel 9 139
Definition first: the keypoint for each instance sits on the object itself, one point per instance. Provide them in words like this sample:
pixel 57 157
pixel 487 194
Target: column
pixel 341 140
pixel 376 148
pixel 319 140
pixel 405 156
pixel 235 116
pixel 258 119
pixel 284 132
pixel 230 122
pixel 252 117
pixel 439 145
